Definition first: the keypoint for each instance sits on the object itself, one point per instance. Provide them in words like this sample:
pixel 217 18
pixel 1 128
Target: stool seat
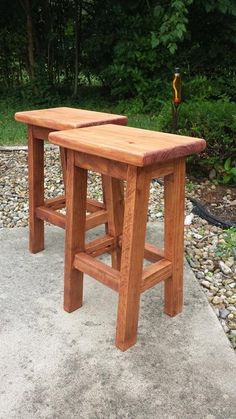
pixel 134 146
pixel 65 118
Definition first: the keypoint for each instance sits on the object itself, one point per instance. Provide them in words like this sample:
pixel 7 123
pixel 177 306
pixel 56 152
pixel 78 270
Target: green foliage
pixel 11 132
pixel 226 172
pixel 130 46
pixel 217 87
pixel 228 247
pixel 131 106
pixel 127 51
pixel 172 21
pixel 213 121
pixel 190 186
pixel 197 88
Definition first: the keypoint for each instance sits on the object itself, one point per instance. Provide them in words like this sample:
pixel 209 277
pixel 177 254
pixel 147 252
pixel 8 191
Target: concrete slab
pixel 59 365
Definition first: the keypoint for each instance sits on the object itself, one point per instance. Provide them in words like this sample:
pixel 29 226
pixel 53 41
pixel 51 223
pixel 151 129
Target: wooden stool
pixel 40 124
pixel 137 156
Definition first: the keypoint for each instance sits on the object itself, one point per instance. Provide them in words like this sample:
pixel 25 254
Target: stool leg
pixel 75 232
pixel 174 236
pixel 63 154
pixel 113 191
pixel 135 218
pixel 36 191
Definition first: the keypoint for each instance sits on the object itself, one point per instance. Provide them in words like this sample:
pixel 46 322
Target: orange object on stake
pixel 176 84
pixel 176 98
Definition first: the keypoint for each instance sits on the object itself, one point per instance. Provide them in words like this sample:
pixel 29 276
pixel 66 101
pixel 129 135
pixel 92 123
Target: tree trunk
pixel 78 18
pixel 29 27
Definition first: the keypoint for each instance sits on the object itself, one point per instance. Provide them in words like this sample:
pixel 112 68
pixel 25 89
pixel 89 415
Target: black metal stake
pixel 175 117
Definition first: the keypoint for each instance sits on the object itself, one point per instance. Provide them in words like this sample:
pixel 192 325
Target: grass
pixel 11 132
pixel 15 133
pixel 228 247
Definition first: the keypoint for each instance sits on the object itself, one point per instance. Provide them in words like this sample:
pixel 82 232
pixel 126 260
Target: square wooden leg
pixel 174 196
pixel 36 191
pixel 136 205
pixel 63 155
pixel 113 191
pixel 76 192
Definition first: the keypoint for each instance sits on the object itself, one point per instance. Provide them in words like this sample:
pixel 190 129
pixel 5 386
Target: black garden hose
pixel 203 212
pixel 200 210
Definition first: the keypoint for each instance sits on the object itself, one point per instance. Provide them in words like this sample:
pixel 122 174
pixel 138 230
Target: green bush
pixel 227 248
pixel 216 87
pixel 216 123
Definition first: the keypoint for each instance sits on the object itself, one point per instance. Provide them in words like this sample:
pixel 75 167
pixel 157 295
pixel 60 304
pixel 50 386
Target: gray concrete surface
pixel 59 365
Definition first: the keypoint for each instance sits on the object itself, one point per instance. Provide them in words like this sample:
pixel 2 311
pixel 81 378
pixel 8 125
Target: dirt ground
pixel 219 200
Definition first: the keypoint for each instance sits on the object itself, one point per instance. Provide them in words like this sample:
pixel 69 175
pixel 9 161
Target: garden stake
pixel 176 99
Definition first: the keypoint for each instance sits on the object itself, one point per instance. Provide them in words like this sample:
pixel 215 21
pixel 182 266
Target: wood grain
pixel 63 156
pixel 136 205
pixel 36 191
pixel 56 203
pixel 174 236
pixel 101 165
pixel 98 270
pixel 56 218
pixel 153 253
pixel 65 118
pixel 113 190
pixel 75 233
pixel 41 133
pixel 51 216
pixel 102 244
pixel 128 145
pixel 60 202
pixel 95 219
pixel 155 273
pixel 93 205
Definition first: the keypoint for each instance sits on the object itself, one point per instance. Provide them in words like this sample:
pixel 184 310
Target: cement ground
pixel 63 366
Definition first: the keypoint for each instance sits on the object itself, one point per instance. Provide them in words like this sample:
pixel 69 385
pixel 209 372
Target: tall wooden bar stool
pixel 136 156
pixel 40 124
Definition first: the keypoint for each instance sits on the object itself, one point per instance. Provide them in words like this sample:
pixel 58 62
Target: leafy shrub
pixel 213 121
pixel 197 88
pixel 227 171
pixel 217 87
pixel 228 247
pixel 131 106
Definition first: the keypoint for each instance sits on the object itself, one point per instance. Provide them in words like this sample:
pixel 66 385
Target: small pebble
pixel 217 300
pixel 206 284
pixel 224 268
pixel 224 313
pixel 188 219
pixel 230 262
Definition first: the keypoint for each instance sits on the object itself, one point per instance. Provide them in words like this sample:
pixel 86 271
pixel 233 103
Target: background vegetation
pixel 119 56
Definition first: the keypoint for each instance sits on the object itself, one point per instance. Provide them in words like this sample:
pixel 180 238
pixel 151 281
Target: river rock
pixel 224 313
pixel 217 300
pixel 189 219
pixel 229 262
pixel 206 284
pixel 224 268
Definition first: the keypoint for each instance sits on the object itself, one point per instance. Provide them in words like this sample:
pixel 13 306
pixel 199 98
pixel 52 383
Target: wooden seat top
pixel 134 146
pixel 66 118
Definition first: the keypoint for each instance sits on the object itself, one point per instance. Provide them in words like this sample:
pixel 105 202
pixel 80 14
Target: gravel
pixel 216 274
